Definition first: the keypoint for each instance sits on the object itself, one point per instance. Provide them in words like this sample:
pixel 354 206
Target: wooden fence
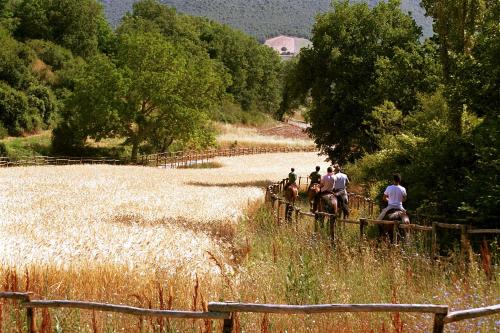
pixel 285 212
pixel 190 158
pixel 60 160
pixel 226 310
pixel 170 159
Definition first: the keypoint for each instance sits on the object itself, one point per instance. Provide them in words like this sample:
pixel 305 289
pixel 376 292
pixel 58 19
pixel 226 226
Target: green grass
pixel 18 147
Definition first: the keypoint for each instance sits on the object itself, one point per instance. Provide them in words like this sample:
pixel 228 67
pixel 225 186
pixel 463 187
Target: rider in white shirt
pixel 395 195
pixel 341 181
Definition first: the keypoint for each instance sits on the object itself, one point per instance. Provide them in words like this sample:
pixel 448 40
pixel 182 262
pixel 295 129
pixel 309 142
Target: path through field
pixel 133 217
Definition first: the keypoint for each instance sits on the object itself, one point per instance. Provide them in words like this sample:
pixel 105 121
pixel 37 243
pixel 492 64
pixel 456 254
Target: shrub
pixel 52 54
pixel 3 150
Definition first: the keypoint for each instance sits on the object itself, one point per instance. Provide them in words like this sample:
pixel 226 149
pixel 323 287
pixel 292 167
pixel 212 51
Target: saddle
pixel 403 217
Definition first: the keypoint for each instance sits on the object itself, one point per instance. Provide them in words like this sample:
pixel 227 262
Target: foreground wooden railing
pixel 225 310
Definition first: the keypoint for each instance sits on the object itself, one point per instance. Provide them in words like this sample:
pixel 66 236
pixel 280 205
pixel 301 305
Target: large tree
pixel 456 24
pixel 151 91
pixel 357 54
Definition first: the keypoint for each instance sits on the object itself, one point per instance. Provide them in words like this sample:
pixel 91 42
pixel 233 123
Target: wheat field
pixel 139 218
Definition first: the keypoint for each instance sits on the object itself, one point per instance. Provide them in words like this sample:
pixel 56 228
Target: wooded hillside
pixel 261 18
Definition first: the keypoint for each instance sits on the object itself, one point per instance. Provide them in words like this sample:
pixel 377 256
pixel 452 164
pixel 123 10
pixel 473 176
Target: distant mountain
pixel 261 18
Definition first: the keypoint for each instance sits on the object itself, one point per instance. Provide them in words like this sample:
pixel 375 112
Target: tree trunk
pixel 135 150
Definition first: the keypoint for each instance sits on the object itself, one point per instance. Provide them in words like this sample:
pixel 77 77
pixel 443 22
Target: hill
pixel 261 18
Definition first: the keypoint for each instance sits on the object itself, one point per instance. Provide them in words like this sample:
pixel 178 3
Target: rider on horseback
pixel 292 179
pixel 395 195
pixel 327 183
pixel 315 177
pixel 341 181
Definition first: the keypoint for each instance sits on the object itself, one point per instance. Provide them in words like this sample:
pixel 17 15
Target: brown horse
pixel 327 204
pixel 311 194
pixel 387 230
pixel 291 194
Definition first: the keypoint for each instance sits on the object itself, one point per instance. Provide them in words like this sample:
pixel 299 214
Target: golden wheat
pixel 141 218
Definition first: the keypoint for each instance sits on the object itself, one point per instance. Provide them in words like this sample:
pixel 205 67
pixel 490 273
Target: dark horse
pixel 291 194
pixel 327 204
pixel 387 230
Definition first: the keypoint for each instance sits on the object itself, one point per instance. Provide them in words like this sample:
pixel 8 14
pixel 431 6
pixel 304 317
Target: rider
pixel 327 183
pixel 341 181
pixel 315 177
pixel 292 179
pixel 395 195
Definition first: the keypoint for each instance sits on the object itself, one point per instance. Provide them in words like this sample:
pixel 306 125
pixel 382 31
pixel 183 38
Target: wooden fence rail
pixel 441 314
pixel 225 310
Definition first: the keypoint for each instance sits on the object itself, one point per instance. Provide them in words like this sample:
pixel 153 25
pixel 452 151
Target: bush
pixel 3 150
pixel 232 113
pixel 52 54
pixel 3 131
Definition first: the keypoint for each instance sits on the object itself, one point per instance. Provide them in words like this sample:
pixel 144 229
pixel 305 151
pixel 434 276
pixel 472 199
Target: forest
pixel 261 19
pixel 64 68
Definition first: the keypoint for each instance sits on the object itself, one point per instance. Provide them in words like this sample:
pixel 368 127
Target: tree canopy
pixel 150 91
pixel 357 53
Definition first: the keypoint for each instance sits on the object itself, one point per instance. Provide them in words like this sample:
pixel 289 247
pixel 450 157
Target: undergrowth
pixel 271 264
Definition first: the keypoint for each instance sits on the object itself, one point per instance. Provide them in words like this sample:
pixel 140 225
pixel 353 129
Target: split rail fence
pixel 226 310
pixel 189 158
pixel 167 160
pixel 284 211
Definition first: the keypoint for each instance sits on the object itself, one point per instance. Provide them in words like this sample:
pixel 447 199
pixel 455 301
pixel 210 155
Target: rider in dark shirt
pixel 315 177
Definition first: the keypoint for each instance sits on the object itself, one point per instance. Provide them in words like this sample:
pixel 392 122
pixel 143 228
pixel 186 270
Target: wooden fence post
pixel 464 239
pixel 438 323
pixel 332 222
pixel 362 223
pixel 434 240
pixel 228 324
pixel 30 317
pixel 278 213
pixel 395 230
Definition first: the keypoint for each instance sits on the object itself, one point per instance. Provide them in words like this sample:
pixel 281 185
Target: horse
pixel 314 189
pixel 387 230
pixel 327 204
pixel 291 194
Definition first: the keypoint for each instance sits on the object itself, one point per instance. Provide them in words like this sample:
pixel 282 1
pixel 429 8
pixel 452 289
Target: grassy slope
pixel 38 144
pixel 244 133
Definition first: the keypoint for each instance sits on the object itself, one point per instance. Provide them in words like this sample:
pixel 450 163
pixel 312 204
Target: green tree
pixel 150 92
pixel 356 53
pixel 78 25
pixel 456 23
pixel 255 69
pixel 15 61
